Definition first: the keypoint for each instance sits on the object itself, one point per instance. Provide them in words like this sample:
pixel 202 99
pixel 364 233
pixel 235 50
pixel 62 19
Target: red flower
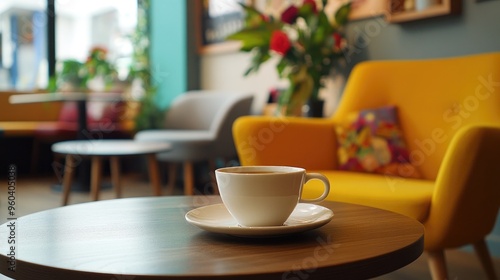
pixel 338 40
pixel 290 15
pixel 312 3
pixel 98 52
pixel 280 42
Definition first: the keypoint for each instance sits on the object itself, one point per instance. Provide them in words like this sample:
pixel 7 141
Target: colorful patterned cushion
pixel 371 141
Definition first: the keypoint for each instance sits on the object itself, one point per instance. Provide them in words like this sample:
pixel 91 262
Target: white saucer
pixel 216 218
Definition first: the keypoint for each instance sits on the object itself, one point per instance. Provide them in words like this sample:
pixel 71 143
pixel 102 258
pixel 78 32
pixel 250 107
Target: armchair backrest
pixel 213 111
pixel 236 105
pixel 193 110
pixel 434 97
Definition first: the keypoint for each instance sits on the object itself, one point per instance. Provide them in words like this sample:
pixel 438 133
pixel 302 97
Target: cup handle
pixel 326 183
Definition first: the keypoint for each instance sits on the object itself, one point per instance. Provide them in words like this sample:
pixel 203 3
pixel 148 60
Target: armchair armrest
pixel 304 142
pixel 467 195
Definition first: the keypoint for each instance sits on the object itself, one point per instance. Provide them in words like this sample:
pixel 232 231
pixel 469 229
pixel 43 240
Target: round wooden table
pixel 149 238
pixel 75 150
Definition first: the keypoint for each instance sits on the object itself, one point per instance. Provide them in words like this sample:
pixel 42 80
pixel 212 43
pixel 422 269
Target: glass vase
pixel 315 108
pixel 302 87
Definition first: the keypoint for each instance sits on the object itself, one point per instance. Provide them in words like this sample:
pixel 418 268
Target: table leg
pixel 69 169
pixel 95 180
pixel 115 175
pixel 154 176
pixel 82 120
pixel 81 182
pixel 188 178
pixel 83 173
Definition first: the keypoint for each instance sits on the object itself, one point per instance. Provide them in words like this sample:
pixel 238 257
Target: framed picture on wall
pixel 361 9
pixel 217 20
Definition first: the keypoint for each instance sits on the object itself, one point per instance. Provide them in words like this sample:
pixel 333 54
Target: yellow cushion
pixel 409 197
pixel 434 97
pixel 371 141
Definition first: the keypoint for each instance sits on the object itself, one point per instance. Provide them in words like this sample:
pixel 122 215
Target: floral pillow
pixel 372 141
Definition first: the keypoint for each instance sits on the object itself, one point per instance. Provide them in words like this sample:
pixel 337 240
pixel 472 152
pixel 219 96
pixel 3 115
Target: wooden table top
pixel 109 147
pixel 65 96
pixel 148 238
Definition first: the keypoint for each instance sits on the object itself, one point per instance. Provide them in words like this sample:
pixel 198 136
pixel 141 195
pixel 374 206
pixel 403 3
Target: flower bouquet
pixel 308 42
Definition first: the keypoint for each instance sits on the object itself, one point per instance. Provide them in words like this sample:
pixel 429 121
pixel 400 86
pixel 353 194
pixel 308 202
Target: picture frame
pixel 362 9
pixel 216 19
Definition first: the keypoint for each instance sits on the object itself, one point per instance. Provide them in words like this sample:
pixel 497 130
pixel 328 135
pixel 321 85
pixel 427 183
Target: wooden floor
pixel 35 194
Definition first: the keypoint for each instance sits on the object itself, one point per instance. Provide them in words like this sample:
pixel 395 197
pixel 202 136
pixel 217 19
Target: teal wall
pixel 168 51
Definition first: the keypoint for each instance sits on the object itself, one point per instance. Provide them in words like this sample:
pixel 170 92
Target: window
pixel 84 24
pixel 79 26
pixel 22 42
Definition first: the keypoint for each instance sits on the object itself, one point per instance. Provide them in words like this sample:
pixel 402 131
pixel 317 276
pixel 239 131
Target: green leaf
pixel 253 17
pixel 281 66
pixel 265 56
pixel 305 11
pixel 248 71
pixel 342 14
pixel 52 86
pixel 325 23
pixel 313 22
pixel 261 55
pixel 302 38
pixel 319 35
pixel 251 37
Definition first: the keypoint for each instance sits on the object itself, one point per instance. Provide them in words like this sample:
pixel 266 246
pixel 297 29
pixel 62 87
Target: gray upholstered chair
pixel 198 125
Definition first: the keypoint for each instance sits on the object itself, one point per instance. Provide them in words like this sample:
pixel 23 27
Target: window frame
pixel 51 17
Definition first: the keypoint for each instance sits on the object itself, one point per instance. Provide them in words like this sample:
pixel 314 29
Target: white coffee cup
pixel 258 196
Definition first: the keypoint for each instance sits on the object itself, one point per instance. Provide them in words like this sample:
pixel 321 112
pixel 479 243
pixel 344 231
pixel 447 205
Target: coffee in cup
pixel 258 196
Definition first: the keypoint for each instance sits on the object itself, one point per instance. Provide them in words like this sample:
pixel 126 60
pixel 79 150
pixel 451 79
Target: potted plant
pixel 95 74
pixel 149 115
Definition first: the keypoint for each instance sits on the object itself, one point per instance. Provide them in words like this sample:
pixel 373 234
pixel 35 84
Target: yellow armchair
pixel 449 111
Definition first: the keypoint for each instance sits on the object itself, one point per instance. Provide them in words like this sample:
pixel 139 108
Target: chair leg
pixel 154 176
pixel 188 178
pixel 69 169
pixel 437 265
pixel 172 176
pixel 115 175
pixel 95 180
pixel 484 257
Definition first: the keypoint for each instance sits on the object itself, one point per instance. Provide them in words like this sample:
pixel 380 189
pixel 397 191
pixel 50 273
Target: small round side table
pixel 97 150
